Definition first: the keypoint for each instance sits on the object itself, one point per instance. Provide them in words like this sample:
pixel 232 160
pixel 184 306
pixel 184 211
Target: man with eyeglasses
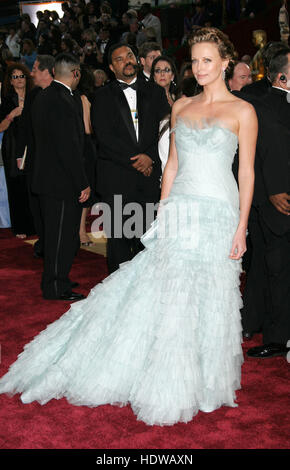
pixel 147 54
pixel 59 175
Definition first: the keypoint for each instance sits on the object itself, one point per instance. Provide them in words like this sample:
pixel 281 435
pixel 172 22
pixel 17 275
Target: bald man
pixel 241 76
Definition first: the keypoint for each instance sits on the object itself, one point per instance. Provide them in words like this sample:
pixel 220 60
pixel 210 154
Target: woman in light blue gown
pixel 163 333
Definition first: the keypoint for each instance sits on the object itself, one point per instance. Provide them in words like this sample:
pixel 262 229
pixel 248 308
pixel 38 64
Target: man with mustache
pixel 125 118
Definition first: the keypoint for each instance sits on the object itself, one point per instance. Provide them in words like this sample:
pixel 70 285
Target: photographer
pixel 135 27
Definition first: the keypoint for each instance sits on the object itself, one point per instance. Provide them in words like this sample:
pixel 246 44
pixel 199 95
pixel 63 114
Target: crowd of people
pixel 88 29
pixel 210 12
pixel 111 116
pixel 87 32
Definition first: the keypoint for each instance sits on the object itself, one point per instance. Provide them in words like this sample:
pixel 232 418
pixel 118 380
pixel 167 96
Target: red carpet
pixel 261 421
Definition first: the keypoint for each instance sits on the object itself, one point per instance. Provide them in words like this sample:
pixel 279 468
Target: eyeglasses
pixel 76 70
pixel 166 70
pixel 18 76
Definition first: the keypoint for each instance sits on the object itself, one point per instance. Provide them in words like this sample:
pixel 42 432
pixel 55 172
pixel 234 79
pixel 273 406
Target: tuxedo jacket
pixel 278 102
pixel 258 88
pixel 142 76
pixel 59 137
pixel 272 160
pixel 276 166
pixel 117 143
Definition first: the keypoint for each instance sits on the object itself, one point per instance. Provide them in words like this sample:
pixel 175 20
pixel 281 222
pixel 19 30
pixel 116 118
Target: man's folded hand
pixel 281 202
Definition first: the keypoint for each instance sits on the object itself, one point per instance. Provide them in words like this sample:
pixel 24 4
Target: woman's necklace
pixel 169 99
pixel 21 101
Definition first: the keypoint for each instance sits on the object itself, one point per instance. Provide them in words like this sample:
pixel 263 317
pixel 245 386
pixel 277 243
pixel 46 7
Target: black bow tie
pixel 124 86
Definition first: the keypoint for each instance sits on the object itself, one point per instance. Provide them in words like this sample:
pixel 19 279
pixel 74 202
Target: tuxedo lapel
pixel 124 109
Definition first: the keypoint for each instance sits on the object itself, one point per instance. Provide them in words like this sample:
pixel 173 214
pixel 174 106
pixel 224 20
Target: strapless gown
pixel 163 333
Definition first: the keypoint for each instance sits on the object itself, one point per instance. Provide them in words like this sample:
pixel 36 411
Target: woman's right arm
pixel 86 114
pixel 5 123
pixel 172 162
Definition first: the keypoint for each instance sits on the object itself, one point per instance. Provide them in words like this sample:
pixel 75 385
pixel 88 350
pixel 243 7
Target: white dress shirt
pixel 13 44
pixel 146 75
pixel 152 21
pixel 131 97
pixel 279 88
pixel 103 46
pixel 70 90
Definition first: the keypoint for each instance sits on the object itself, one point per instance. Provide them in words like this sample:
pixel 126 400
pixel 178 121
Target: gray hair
pixel 46 62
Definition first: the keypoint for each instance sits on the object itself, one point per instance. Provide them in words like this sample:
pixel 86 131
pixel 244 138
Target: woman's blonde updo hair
pixel 215 36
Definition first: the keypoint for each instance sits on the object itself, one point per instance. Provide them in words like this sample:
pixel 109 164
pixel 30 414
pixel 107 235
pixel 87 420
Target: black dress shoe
pixel 74 285
pixel 71 296
pixel 268 350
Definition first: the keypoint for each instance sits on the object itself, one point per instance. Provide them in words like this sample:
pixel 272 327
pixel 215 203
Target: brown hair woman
pixel 17 83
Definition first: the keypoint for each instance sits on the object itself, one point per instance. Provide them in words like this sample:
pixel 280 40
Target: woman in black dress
pixel 17 83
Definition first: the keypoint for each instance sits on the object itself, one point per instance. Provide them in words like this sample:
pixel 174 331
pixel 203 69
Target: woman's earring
pixel 223 74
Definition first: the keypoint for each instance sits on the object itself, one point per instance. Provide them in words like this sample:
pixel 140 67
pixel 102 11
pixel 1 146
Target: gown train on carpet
pixel 163 333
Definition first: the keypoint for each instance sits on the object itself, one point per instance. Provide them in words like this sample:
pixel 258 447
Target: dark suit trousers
pixel 276 328
pixel 35 208
pixel 61 239
pixel 253 311
pixel 121 249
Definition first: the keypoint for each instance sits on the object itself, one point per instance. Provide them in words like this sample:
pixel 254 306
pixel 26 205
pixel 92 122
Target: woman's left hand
pixel 239 245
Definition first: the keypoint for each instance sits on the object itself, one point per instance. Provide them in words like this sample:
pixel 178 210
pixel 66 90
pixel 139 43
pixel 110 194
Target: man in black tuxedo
pixel 253 311
pixel 42 74
pixel 270 278
pixel 260 87
pixel 59 175
pixel 148 52
pixel 125 118
pixel 104 43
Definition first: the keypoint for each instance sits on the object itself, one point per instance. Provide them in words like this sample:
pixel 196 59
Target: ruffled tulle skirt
pixel 163 333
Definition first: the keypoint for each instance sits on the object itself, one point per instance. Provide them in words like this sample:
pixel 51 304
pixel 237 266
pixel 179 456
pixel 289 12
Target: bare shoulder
pixel 243 108
pixel 244 114
pixel 180 104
